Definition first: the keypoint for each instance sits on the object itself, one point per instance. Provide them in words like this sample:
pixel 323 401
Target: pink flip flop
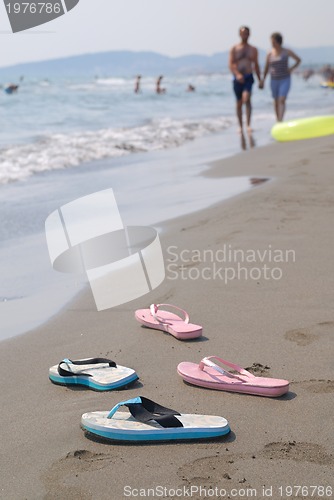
pixel 208 374
pixel 168 322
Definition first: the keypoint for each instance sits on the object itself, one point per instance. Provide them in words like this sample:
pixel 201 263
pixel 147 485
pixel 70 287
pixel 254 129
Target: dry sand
pixel 284 325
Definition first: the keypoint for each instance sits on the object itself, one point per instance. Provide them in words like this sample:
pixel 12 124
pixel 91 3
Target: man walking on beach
pixel 242 61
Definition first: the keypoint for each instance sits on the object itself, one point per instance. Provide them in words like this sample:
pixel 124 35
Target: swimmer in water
pixel 158 88
pixel 191 88
pixel 137 84
pixel 11 88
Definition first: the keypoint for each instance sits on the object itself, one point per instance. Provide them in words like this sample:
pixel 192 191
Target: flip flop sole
pixel 122 427
pixel 241 389
pixel 168 329
pixel 91 384
pixel 158 435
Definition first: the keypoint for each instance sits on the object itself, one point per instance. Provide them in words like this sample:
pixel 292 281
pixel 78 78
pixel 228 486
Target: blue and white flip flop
pixel 99 374
pixel 148 421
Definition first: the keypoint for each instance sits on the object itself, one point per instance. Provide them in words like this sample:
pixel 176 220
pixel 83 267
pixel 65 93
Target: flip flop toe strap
pixel 154 308
pixel 93 361
pixel 145 410
pixel 207 362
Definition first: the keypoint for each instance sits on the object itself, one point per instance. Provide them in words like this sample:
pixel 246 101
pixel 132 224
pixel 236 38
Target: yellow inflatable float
pixel 327 85
pixel 304 128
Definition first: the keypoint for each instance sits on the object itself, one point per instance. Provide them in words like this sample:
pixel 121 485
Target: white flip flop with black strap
pixel 149 421
pixel 100 374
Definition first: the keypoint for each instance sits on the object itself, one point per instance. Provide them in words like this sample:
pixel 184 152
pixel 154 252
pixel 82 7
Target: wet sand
pixel 283 328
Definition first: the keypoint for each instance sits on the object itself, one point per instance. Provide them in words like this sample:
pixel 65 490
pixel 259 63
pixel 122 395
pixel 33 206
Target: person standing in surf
pixel 243 60
pixel 158 88
pixel 137 85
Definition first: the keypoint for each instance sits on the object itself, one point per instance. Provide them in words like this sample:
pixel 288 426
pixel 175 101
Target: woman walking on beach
pixel 277 64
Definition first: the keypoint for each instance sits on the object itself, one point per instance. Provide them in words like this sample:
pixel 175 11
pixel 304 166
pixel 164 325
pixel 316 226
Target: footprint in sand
pixel 300 337
pixel 210 472
pixel 317 386
pixel 305 336
pixel 301 452
pixel 227 470
pixel 72 465
pixel 258 369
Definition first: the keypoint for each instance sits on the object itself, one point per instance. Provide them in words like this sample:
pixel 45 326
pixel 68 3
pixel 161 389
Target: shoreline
pixel 37 295
pixel 284 326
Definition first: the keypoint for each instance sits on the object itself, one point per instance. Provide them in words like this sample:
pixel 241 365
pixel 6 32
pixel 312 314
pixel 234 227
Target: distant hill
pixel 317 55
pixel 120 63
pixel 128 63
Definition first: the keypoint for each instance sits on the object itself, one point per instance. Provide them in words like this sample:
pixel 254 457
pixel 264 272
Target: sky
pixel 170 27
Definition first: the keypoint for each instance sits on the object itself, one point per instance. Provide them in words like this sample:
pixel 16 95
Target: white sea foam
pixel 59 151
pixel 113 81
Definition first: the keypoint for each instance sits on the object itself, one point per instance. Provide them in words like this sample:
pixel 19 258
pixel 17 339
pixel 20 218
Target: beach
pixel 279 325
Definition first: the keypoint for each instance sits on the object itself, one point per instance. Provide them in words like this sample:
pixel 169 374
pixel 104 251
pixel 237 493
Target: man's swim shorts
pixel 239 87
